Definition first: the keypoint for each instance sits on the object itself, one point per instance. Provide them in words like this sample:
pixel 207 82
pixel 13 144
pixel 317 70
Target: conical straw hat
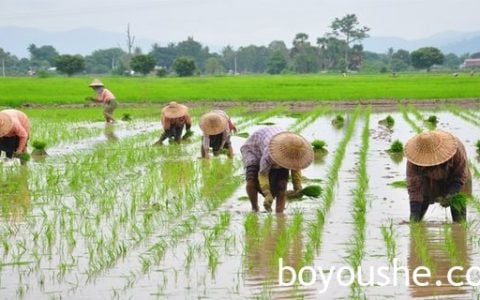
pixel 6 124
pixel 212 123
pixel 174 110
pixel 95 83
pixel 431 148
pixel 291 151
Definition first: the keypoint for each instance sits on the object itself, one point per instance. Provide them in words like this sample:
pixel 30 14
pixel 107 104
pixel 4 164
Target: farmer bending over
pixel 14 132
pixel 437 170
pixel 106 97
pixel 268 155
pixel 174 117
pixel 217 127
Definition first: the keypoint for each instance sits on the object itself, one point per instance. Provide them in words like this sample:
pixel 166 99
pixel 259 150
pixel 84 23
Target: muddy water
pixel 245 268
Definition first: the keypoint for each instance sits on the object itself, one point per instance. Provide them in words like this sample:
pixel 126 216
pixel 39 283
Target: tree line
pixel 339 50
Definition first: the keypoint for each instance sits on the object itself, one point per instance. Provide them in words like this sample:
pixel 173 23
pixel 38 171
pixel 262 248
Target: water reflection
pixel 14 193
pixel 265 243
pixel 110 132
pixel 439 247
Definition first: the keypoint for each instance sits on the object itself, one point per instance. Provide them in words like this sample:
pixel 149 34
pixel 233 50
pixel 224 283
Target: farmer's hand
pixel 267 203
pixel 444 201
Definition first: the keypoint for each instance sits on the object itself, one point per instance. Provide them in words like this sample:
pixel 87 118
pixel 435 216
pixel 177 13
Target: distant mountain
pixel 78 41
pixel 448 41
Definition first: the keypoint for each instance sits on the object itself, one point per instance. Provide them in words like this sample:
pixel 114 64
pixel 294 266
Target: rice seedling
pixel 399 184
pixel 312 191
pixel 432 120
pixel 459 201
pixel 412 124
pixel 126 117
pixel 266 123
pixel 396 147
pixel 338 121
pixel 242 134
pixel 388 122
pixel 389 237
pixel 462 114
pixel 319 146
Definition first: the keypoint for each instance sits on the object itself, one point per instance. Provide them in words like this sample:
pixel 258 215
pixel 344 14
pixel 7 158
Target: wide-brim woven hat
pixel 6 124
pixel 96 82
pixel 431 148
pixel 212 123
pixel 174 110
pixel 291 151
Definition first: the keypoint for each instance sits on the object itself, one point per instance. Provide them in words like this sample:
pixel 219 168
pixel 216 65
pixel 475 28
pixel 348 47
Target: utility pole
pixel 130 41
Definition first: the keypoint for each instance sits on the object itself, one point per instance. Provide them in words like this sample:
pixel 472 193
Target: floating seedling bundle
pixel 126 117
pixel 39 148
pixel 319 147
pixel 388 122
pixel 338 121
pixel 312 191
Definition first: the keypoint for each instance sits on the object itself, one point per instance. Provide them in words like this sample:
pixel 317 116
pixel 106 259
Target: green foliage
pixel 43 56
pixel 319 145
pixel 313 191
pixel 459 201
pixel 161 72
pixel 432 119
pixel 396 147
pixel 104 61
pixel 399 184
pixel 389 121
pixel 70 64
pixel 184 66
pixel 277 62
pixel 39 145
pixel 143 63
pixel 478 146
pixel 425 58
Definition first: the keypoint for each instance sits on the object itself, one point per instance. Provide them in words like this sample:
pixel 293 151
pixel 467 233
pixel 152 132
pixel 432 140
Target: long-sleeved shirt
pixel 255 150
pixel 105 96
pixel 438 181
pixel 225 134
pixel 21 127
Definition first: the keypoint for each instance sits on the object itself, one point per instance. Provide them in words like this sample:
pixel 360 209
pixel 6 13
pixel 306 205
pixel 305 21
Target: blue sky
pixel 240 22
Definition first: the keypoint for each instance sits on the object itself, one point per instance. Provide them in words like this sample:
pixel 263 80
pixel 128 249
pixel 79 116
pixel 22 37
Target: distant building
pixel 471 63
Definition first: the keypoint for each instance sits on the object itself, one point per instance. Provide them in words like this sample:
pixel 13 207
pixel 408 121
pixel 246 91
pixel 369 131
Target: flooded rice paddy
pixel 108 216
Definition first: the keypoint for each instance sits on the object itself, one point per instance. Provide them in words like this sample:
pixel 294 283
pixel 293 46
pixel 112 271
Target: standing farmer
pixel 437 170
pixel 106 97
pixel 174 118
pixel 14 132
pixel 217 127
pixel 268 155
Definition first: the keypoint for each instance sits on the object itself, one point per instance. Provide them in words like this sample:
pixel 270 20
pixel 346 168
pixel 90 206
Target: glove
pixel 294 194
pixel 415 211
pixel 265 188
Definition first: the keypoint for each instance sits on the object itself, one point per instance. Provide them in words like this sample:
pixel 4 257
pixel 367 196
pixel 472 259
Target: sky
pixel 242 22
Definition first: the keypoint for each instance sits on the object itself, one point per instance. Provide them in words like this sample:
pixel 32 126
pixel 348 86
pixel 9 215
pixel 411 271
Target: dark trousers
pixel 216 142
pixel 174 132
pixel 9 145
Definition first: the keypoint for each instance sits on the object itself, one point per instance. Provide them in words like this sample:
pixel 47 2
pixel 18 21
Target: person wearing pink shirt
pixel 105 97
pixel 14 132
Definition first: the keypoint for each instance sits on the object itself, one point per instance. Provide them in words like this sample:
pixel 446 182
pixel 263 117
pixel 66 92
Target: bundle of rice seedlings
pixel 478 146
pixel 39 148
pixel 242 134
pixel 188 134
pixel 432 119
pixel 126 117
pixel 389 121
pixel 24 157
pixel 319 146
pixel 399 184
pixel 396 147
pixel 313 191
pixel 459 201
pixel 338 121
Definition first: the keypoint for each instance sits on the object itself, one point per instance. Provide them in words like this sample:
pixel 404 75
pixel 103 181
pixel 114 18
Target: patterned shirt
pixel 255 150
pixel 225 134
pixel 21 127
pixel 105 96
pixel 438 181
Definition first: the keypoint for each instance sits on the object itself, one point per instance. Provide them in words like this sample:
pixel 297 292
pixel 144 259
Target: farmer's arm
pixel 205 145
pixel 457 174
pixel 188 122
pixel 23 137
pixel 297 180
pixel 414 183
pixel 165 122
pixel 231 126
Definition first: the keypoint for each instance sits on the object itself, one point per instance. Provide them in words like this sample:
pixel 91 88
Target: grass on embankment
pixel 63 90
